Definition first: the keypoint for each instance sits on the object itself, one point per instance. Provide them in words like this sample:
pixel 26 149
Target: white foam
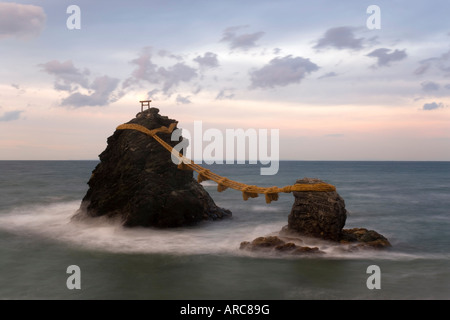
pixel 54 221
pixel 264 208
pixel 208 183
pixel 220 237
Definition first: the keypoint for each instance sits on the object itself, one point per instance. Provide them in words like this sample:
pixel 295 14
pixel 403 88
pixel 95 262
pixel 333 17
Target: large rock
pixel 317 214
pixel 137 181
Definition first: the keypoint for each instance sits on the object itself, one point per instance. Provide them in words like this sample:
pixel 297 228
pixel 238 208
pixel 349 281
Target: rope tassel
pixel 247 193
pixel 271 194
pixel 221 185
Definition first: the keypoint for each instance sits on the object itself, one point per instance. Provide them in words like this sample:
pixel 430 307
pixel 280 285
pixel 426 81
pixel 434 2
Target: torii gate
pixel 145 103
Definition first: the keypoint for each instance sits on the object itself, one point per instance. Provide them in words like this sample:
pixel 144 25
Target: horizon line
pixel 246 161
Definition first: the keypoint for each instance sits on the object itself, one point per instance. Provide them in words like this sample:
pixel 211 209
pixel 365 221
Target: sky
pixel 334 86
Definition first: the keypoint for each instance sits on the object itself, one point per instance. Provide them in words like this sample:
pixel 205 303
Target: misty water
pixel 408 202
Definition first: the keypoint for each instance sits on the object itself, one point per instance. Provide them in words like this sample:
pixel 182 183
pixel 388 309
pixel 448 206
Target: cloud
pixel 441 63
pixel 282 72
pixel 148 71
pixel 175 74
pixel 145 69
pixel 197 90
pixel 20 20
pixel 242 41
pixel 102 94
pixel 18 87
pixel 340 38
pixel 328 75
pixel 432 106
pixel 183 100
pixel 167 54
pixel 10 116
pixel 225 94
pixel 71 79
pixel 384 58
pixel 152 93
pixel 67 76
pixel 422 69
pixel 209 60
pixel 430 86
pixel 276 51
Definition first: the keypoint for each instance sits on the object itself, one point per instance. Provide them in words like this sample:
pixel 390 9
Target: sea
pixel 407 202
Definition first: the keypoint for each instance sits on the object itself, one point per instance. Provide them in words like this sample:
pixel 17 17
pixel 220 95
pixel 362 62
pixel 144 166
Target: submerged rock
pixel 276 245
pixel 364 238
pixel 137 181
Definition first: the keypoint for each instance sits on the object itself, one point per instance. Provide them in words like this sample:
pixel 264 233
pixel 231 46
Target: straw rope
pixel 223 183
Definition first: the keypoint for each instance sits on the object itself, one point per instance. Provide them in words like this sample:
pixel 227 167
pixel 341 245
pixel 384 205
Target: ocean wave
pixel 54 222
pixel 264 208
pixel 220 237
pixel 208 183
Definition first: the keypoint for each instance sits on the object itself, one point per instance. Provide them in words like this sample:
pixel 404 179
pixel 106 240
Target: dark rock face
pixel 317 214
pixel 137 181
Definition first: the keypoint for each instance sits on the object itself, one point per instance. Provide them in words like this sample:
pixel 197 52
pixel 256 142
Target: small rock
pixel 286 247
pixel 266 242
pixel 317 214
pixel 154 111
pixel 274 243
pixel 303 250
pixel 244 245
pixel 364 238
